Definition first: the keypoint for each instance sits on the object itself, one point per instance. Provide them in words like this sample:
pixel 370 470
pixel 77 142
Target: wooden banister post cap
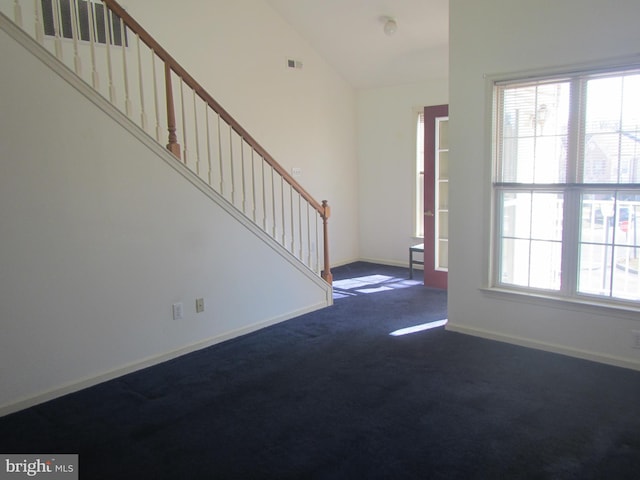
pixel 326 208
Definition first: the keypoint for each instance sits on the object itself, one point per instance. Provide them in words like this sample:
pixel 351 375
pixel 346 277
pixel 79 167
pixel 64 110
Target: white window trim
pixel 491 285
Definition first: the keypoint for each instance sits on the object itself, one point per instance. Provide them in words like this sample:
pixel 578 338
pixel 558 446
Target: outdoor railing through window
pixel 111 52
pixel 609 246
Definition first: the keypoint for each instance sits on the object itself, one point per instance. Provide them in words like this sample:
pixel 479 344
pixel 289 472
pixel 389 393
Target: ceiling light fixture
pixel 390 26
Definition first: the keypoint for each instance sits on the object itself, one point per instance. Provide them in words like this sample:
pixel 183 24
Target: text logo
pixel 49 466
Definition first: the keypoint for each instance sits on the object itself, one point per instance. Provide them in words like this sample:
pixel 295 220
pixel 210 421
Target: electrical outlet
pixel 199 305
pixel 178 313
pixel 636 338
pixel 296 172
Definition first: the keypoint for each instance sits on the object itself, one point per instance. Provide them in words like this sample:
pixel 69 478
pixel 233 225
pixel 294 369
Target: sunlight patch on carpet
pixel 350 287
pixel 419 328
pixel 358 282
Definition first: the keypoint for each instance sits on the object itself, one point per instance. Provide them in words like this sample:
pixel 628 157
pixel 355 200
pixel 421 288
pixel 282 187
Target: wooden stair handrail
pixel 171 64
pixel 205 96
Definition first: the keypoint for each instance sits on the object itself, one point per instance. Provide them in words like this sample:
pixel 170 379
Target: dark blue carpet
pixel 332 395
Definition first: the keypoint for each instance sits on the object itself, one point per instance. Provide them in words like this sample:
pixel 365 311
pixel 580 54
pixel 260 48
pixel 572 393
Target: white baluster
pixel 309 262
pixel 75 34
pixel 273 204
pixel 125 71
pixel 291 214
pixel 284 225
pixel 39 26
pixel 233 179
pixel 143 113
pixel 195 126
pixel 253 183
pixel 95 80
pixel 108 22
pixel 300 237
pixel 206 117
pixel 264 199
pixel 17 13
pixel 156 104
pixel 317 219
pixel 242 172
pixel 57 28
pixel 220 159
pixel 184 123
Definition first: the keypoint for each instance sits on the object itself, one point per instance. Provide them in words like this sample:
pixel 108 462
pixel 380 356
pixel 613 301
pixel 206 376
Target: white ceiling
pixel 349 35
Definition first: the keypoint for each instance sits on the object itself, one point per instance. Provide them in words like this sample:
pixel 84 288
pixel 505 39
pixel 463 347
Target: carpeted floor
pixel 332 395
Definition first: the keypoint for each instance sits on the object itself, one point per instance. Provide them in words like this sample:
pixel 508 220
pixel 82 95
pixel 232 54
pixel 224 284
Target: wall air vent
pixel 292 63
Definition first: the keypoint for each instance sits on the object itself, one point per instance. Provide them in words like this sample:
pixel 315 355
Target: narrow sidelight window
pixel 419 176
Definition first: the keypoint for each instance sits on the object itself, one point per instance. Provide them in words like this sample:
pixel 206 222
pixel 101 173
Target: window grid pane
pixel 546 265
pixel 530 243
pixel 610 245
pixel 534 131
pixel 612 127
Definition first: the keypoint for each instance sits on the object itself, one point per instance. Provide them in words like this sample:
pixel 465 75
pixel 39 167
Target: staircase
pixel 104 223
pixel 104 46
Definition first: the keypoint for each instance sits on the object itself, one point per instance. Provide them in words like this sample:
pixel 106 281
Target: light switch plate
pixel 178 313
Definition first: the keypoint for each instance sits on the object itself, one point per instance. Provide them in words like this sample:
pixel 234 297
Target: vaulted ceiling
pixel 349 34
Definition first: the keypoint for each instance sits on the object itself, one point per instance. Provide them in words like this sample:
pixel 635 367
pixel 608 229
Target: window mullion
pixel 571 209
pixel 570 241
pixel 575 143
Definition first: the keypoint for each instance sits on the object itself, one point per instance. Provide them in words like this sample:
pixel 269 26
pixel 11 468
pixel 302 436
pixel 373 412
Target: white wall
pixel 496 37
pixel 305 118
pixel 386 161
pixel 100 236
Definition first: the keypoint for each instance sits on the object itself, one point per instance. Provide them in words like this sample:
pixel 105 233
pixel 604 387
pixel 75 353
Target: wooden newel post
pixel 326 273
pixel 173 145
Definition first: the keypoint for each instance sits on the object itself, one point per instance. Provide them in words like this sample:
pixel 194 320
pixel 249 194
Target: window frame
pixel 568 292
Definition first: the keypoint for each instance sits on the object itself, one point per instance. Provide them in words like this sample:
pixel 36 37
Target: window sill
pixel 582 305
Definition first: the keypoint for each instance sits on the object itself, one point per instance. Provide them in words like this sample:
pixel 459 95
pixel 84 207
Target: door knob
pixel 429 213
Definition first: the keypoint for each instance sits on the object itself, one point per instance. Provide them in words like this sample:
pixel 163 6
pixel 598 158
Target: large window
pixel 567 186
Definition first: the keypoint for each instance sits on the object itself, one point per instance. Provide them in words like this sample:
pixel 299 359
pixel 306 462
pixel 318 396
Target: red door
pixel 436 189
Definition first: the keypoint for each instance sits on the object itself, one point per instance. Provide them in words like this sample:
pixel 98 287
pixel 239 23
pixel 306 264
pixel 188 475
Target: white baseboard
pixel 148 362
pixel 548 347
pixel 391 263
pixel 341 263
pixel 378 261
